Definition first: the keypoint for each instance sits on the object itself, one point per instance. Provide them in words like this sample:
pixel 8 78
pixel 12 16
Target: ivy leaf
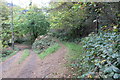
pixel 108 69
pixel 115 55
pixel 115 69
pixel 118 59
pixel 116 76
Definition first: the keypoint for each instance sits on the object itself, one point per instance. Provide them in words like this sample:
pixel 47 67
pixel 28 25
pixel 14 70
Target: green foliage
pixel 74 50
pixel 5 18
pixel 31 23
pixel 25 54
pixel 69 20
pixel 49 50
pixel 5 32
pixel 34 23
pixel 42 43
pixel 45 45
pixel 102 55
pixel 7 54
pixel 74 57
pixel 76 19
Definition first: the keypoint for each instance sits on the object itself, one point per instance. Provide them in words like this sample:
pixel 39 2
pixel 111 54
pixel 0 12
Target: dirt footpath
pixel 52 66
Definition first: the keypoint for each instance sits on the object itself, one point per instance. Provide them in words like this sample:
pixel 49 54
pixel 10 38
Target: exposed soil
pixel 52 66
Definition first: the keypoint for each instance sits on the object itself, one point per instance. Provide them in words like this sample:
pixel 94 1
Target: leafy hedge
pixel 102 55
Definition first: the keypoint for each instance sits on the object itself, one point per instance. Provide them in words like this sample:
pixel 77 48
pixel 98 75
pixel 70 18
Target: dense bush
pixel 6 53
pixel 42 43
pixel 102 57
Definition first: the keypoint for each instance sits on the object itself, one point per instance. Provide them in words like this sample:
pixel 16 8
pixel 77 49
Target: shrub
pixel 7 54
pixel 102 55
pixel 42 43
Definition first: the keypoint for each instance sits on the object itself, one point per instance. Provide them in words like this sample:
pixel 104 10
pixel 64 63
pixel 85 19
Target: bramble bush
pixel 102 57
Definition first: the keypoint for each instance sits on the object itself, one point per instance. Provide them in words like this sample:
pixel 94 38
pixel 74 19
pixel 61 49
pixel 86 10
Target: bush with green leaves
pixel 42 43
pixel 7 54
pixel 102 55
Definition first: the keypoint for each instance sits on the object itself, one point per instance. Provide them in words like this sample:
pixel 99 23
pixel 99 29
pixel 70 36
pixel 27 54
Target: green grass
pixel 49 50
pixel 73 58
pixel 25 54
pixel 5 58
pixel 75 50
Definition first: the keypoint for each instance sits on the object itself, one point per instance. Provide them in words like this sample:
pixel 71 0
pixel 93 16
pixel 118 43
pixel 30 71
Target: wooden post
pixel 96 21
pixel 97 24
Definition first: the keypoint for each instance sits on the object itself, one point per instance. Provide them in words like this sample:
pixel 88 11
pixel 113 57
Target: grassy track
pixel 25 54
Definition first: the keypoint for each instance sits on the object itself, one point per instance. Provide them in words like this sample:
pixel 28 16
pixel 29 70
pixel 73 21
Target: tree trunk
pixel 12 26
